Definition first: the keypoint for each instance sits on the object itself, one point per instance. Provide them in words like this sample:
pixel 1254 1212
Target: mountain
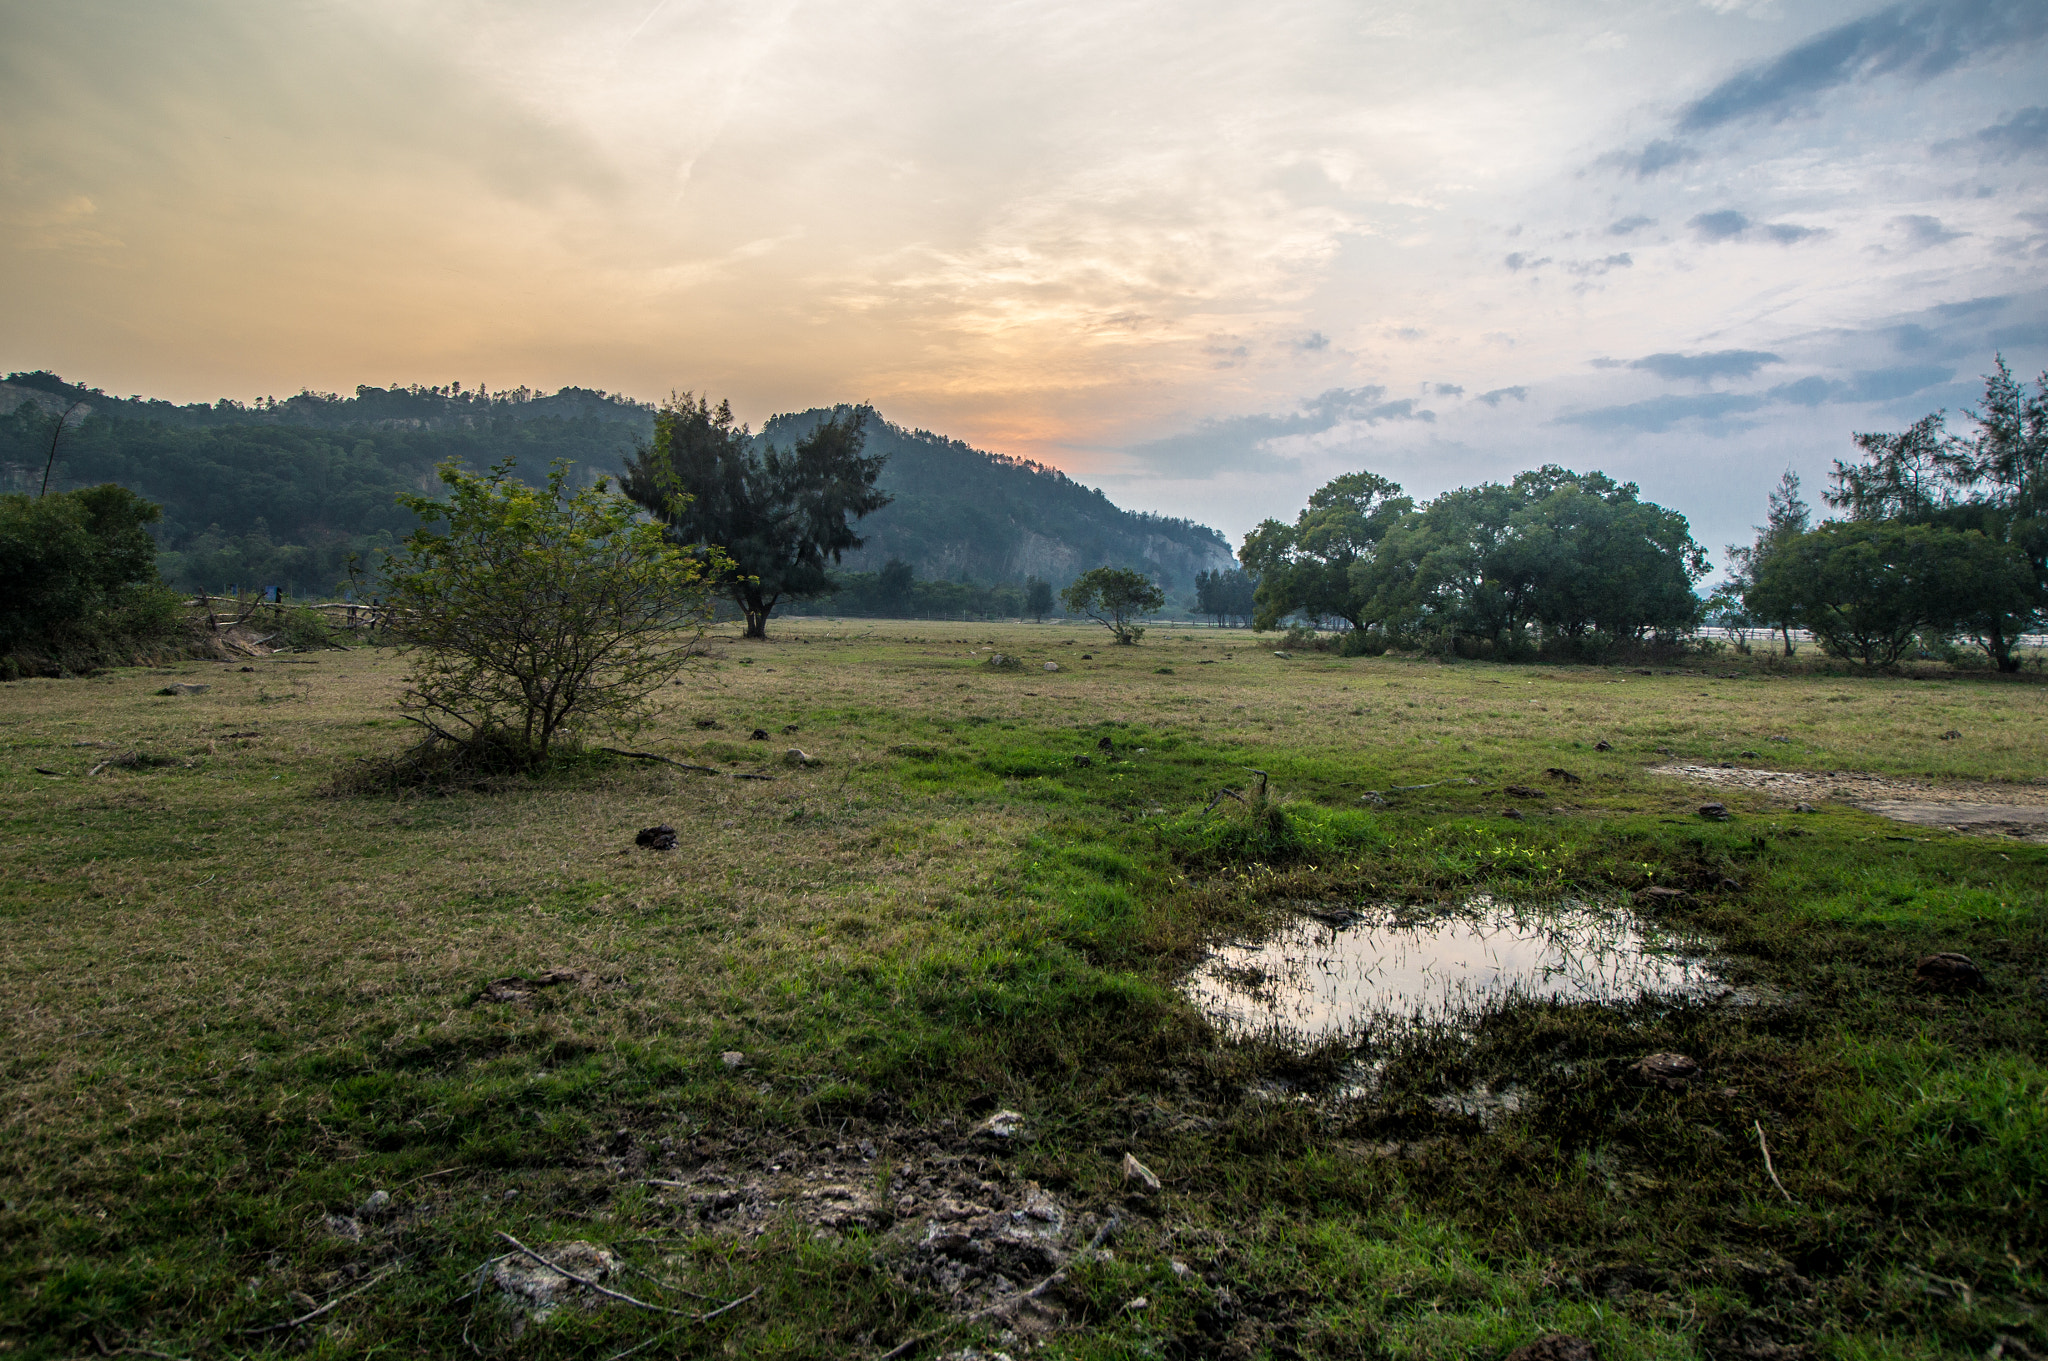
pixel 288 491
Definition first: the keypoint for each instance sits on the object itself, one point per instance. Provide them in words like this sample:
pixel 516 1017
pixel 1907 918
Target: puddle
pixel 1314 981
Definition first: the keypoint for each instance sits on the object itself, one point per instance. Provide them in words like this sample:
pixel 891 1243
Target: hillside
pixel 286 491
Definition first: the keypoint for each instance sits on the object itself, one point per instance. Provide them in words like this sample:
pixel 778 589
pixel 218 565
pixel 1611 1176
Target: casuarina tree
pixel 778 516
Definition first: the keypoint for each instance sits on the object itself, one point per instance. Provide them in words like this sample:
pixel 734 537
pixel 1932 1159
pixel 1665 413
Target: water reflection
pixel 1314 980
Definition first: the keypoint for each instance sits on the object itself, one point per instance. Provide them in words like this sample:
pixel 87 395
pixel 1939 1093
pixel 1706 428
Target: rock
pixel 1284 656
pixel 1747 755
pixel 707 723
pixel 522 989
pixel 184 688
pixel 1560 773
pixel 344 1227
pixel 1087 656
pixel 789 727
pixel 1603 745
pixel 1804 808
pixel 1181 1270
pixel 758 735
pixel 1555 1347
pixel 1138 1305
pixel 1669 1071
pixel 796 756
pixel 1951 735
pixel 1522 791
pixel 1949 970
pixel 1513 812
pixel 1052 666
pixel 378 1203
pixel 1785 740
pixel 1005 1126
pixel 1715 812
pixel 245 668
pixel 1105 746
pixel 1659 893
pixel 1138 1176
pixel 1084 760
pixel 733 1058
pixel 661 838
pixel 544 1289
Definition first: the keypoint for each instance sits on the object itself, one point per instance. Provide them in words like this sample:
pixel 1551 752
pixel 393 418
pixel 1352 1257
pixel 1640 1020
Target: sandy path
pixel 1961 806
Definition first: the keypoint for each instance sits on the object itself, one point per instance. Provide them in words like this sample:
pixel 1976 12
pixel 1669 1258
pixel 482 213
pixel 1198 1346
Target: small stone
pixel 789 727
pixel 184 688
pixel 1138 1305
pixel 1951 735
pixel 377 1203
pixel 1949 970
pixel 1512 813
pixel 1136 1172
pixel 707 722
pixel 1748 755
pixel 1003 1127
pixel 758 735
pixel 1522 791
pixel 1660 893
pixel 1284 656
pixel 1715 812
pixel 796 756
pixel 1084 760
pixel 1670 1071
pixel 1785 740
pixel 343 1226
pixel 1603 745
pixel 1052 666
pixel 1555 1347
pixel 733 1058
pixel 1105 746
pixel 1803 808
pixel 1181 1270
pixel 656 838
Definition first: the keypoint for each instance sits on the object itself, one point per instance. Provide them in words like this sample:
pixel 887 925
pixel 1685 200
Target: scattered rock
pixel 1522 791
pixel 1951 735
pixel 797 756
pixel 375 1207
pixel 758 735
pixel 542 1288
pixel 1513 812
pixel 1087 656
pixel 1284 656
pixel 1002 661
pixel 1138 1305
pixel 733 1058
pixel 344 1227
pixel 1052 666
pixel 661 838
pixel 245 668
pixel 184 688
pixel 1786 741
pixel 1603 745
pixel 1084 760
pixel 1560 773
pixel 708 723
pixel 1715 812
pixel 1139 1177
pixel 789 727
pixel 1105 746
pixel 523 989
pixel 1555 1347
pixel 1659 893
pixel 1804 808
pixel 1004 1127
pixel 1644 671
pixel 1747 755
pixel 1669 1071
pixel 1949 970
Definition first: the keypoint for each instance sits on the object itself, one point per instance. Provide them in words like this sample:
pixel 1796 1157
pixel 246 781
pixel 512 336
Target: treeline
pixel 1554 563
pixel 1944 537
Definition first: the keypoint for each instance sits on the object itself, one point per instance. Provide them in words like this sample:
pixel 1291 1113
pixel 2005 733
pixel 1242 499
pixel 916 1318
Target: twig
pixel 586 1281
pixel 1765 1146
pixel 1101 1235
pixel 683 765
pixel 308 1318
pixel 1221 794
pixel 706 1318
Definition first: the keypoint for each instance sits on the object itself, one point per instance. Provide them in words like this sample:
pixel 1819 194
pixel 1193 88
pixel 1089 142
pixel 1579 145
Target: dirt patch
pixel 1972 808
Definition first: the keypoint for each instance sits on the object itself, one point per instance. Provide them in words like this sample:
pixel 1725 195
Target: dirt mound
pixel 1961 806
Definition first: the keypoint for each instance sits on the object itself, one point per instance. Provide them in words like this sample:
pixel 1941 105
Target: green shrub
pixel 81 583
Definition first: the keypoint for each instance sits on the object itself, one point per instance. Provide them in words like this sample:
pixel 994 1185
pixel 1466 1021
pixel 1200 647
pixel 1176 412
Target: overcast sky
pixel 1205 255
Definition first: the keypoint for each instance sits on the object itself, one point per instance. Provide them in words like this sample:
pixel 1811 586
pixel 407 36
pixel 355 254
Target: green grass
pixel 239 1005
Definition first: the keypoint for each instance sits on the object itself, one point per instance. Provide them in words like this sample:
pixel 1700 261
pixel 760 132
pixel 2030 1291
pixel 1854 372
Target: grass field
pixel 239 1004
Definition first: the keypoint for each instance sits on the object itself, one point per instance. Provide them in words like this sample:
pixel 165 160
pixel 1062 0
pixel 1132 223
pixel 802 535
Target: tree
pixel 1869 589
pixel 537 613
pixel 778 517
pixel 1116 598
pixel 894 585
pixel 1786 517
pixel 1037 598
pixel 1306 567
pixel 1225 596
pixel 1993 480
pixel 81 580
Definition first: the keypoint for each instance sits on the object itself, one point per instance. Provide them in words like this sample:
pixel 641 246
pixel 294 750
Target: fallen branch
pixel 1765 1146
pixel 587 1282
pixel 1101 1236
pixel 309 1317
pixel 684 765
pixel 1221 794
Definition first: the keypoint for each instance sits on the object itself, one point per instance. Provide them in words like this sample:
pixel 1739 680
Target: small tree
pixel 537 613
pixel 1116 598
pixel 1037 598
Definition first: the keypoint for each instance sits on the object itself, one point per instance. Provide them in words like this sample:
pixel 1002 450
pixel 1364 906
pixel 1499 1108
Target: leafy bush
pixel 82 589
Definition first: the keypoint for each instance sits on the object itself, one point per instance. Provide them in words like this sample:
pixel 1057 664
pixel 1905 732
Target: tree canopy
pixel 1116 598
pixel 780 517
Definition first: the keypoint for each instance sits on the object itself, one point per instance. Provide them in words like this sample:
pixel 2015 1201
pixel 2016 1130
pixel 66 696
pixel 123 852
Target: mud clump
pixel 1948 970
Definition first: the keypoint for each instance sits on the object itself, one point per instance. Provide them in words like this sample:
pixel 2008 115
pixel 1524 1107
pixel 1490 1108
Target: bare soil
pixel 1969 807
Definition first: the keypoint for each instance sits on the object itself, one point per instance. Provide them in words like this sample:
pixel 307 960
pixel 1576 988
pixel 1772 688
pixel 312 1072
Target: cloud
pixel 1913 41
pixel 1656 156
pixel 1221 444
pixel 1661 413
pixel 1448 389
pixel 1922 231
pixel 1493 398
pixel 1870 385
pixel 1706 366
pixel 2023 134
pixel 1602 265
pixel 1628 226
pixel 1314 340
pixel 1720 226
pixel 1520 261
pixel 1729 225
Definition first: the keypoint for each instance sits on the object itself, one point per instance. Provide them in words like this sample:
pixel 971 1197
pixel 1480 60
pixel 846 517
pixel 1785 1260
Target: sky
pixel 1204 255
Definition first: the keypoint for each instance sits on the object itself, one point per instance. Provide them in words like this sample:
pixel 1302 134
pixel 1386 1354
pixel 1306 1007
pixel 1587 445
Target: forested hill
pixel 283 492
pixel 965 515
